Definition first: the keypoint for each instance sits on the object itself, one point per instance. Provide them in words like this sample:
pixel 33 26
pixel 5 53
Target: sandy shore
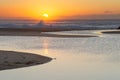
pixel 12 60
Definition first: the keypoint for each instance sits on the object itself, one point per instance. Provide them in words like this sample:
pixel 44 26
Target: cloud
pixel 108 11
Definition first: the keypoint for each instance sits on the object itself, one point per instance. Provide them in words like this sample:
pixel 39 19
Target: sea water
pixel 102 24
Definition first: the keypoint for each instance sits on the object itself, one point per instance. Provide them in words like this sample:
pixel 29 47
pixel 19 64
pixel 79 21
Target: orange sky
pixel 59 8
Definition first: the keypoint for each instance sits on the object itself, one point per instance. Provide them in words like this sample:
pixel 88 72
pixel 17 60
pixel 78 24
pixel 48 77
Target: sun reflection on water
pixel 45 46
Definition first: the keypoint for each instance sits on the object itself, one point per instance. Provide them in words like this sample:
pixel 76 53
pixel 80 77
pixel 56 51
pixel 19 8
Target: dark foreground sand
pixel 12 60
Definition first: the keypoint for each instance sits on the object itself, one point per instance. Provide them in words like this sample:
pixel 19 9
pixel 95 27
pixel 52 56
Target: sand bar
pixel 35 32
pixel 12 59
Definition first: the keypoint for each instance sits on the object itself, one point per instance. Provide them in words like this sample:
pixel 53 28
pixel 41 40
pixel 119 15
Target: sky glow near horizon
pixel 57 9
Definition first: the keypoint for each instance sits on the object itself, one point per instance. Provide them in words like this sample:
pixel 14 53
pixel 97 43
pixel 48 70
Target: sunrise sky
pixel 58 9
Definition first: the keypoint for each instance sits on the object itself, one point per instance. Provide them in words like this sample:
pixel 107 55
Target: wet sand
pixel 68 35
pixel 12 59
pixel 111 32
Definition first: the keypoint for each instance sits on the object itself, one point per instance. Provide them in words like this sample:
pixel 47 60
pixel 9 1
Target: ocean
pixel 87 23
pixel 76 58
pixel 78 24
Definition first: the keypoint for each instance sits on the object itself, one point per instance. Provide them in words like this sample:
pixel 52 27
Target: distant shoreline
pixel 52 29
pixel 39 32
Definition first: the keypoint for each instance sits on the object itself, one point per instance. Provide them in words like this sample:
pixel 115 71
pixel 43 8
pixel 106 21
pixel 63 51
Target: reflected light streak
pixel 45 46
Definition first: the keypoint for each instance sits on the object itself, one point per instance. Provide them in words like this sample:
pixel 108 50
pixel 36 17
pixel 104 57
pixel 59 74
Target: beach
pixel 73 57
pixel 59 40
pixel 12 60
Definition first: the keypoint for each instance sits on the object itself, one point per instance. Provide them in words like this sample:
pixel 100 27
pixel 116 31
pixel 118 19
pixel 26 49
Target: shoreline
pixel 13 59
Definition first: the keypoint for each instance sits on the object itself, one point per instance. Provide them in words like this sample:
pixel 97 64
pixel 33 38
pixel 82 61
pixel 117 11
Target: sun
pixel 45 15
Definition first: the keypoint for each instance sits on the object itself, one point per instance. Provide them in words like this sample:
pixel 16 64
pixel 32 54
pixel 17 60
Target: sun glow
pixel 46 15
